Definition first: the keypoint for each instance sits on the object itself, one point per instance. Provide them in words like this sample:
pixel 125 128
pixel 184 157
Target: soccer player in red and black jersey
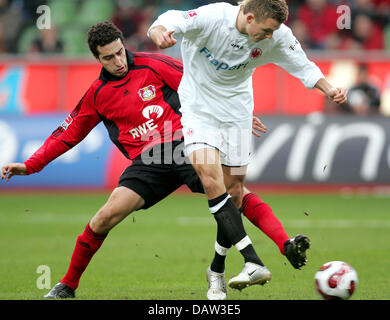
pixel 135 97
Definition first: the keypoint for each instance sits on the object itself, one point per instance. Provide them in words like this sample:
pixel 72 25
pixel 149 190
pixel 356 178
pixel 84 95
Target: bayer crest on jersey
pixel 147 93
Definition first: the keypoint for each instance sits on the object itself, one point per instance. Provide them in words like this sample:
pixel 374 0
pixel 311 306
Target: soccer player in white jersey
pixel 222 45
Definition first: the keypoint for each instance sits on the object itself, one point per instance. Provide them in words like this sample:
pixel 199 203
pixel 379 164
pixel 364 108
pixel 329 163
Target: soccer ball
pixel 336 280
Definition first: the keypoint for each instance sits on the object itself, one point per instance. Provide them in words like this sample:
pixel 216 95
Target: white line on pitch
pixel 301 223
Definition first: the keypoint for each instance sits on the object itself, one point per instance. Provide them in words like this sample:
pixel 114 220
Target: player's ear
pixel 250 17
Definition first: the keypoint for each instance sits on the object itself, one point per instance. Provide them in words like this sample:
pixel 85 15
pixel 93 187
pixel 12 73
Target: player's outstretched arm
pixel 337 95
pixel 161 37
pixel 12 169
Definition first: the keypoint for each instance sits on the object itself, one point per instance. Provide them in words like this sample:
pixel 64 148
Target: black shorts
pixel 159 171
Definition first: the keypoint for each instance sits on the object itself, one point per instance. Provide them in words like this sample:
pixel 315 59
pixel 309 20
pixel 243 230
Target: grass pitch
pixel 163 253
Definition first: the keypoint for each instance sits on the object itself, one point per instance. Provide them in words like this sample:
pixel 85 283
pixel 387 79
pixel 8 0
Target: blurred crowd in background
pixel 314 22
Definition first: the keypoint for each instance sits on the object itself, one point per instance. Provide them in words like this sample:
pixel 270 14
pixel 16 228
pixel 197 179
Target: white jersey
pixel 219 61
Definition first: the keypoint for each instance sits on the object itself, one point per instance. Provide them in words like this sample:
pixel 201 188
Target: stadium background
pixel 311 146
pixel 44 73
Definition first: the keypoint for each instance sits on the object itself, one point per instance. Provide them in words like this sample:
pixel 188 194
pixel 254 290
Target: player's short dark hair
pixel 101 34
pixel 264 9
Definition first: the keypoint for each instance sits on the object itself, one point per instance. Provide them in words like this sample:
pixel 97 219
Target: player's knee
pixel 105 219
pixel 210 182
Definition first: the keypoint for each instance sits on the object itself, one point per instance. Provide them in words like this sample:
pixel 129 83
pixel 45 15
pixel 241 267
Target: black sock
pixel 250 255
pixel 221 247
pixel 231 229
pixel 218 263
pixel 228 219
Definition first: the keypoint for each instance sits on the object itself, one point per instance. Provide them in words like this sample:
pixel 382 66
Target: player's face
pixel 113 58
pixel 258 31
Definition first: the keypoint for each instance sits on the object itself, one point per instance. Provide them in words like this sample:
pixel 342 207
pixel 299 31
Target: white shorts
pixel 232 139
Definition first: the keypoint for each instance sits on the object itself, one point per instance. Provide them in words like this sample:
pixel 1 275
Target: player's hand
pixel 12 169
pixel 162 38
pixel 257 125
pixel 338 95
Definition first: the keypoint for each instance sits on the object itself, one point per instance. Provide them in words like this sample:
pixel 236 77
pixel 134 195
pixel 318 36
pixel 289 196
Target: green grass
pixel 163 253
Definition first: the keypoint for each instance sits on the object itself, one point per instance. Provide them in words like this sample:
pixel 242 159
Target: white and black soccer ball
pixel 336 280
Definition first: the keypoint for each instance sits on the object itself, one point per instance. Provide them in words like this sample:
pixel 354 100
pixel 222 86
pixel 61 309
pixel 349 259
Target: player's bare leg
pixel 120 204
pixel 216 280
pixel 206 162
pixel 234 178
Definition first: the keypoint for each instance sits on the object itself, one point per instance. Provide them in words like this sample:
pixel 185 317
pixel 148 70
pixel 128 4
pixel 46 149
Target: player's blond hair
pixel 264 9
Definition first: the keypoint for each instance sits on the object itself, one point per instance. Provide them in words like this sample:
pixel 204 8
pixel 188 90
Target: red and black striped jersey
pixel 139 110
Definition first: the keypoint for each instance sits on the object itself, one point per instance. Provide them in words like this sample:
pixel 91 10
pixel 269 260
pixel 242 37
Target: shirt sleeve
pixel 72 131
pixel 290 56
pixel 188 24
